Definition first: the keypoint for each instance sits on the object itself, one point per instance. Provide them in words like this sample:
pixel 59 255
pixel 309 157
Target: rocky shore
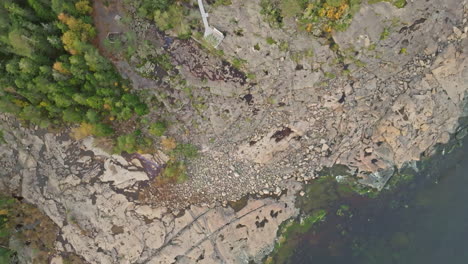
pixel 373 105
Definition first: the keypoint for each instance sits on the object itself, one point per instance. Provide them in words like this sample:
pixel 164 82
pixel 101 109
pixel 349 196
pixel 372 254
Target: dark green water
pixel 424 221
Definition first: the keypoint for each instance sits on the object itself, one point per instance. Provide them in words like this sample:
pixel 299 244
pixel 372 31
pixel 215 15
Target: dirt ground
pixel 106 15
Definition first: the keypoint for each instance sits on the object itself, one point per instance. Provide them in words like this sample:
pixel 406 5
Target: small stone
pixel 457 31
pixel 444 138
pixel 424 127
pixel 301 193
pixel 266 191
pixel 56 260
pixel 325 147
pixel 84 159
pixel 137 163
pixel 277 191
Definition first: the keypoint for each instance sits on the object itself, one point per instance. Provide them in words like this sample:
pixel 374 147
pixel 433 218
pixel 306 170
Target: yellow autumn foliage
pixel 20 103
pixel 83 7
pixel 79 31
pixel 168 144
pixel 68 39
pixel 325 16
pixel 83 131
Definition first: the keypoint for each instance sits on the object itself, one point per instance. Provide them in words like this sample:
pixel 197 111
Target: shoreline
pixel 347 218
pixel 260 138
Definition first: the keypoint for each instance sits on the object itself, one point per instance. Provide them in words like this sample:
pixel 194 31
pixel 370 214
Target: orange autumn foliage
pixel 79 31
pixel 58 66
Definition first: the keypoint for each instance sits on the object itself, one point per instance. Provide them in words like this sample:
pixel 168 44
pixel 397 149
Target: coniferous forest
pixel 51 74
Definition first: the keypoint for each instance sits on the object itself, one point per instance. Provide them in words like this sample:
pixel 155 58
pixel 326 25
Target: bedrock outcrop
pixel 92 197
pixel 397 98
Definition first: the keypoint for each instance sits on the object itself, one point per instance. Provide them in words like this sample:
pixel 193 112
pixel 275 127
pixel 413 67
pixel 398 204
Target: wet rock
pixel 391 107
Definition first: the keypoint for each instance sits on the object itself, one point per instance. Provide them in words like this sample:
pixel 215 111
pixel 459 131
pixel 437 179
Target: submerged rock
pixel 371 102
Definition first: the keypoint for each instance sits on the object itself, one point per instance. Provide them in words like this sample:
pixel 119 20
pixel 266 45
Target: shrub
pixel 133 142
pixel 385 33
pixel 315 17
pixel 71 115
pixel 127 143
pixel 221 2
pixel 141 109
pixel 270 41
pixel 238 63
pixel 396 3
pixel 2 139
pixel 157 129
pixel 102 130
pixel 271 12
pixel 176 171
pixel 173 18
pixel 147 7
pixel 185 151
